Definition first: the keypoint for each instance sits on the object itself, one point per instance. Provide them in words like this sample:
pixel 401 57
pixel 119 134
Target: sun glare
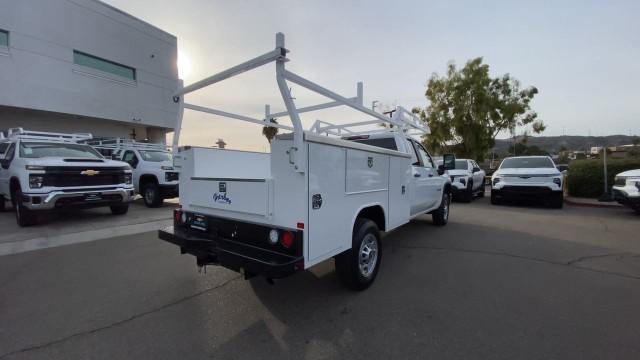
pixel 184 65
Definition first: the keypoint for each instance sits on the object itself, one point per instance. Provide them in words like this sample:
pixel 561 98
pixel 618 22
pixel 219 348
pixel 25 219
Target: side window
pixel 130 158
pixel 424 155
pixel 414 156
pixel 11 152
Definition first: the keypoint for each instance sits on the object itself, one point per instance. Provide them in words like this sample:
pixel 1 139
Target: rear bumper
pixel 246 259
pixel 85 198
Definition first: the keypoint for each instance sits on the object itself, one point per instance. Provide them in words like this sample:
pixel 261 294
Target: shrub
pixel 586 177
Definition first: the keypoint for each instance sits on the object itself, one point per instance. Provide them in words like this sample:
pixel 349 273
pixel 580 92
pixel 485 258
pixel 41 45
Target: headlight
pixel 128 179
pixel 36 181
pixel 495 181
pixel 557 181
pixel 34 167
pixel 166 167
pixel 463 181
pixel 638 185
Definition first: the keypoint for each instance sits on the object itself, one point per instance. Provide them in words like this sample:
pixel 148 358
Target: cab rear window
pixel 387 143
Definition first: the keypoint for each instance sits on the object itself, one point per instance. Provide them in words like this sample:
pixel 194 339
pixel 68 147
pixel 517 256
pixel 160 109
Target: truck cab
pixel 154 175
pixel 48 171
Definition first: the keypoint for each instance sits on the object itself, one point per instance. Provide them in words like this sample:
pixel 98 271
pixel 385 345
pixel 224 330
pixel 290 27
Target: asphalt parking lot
pixel 499 282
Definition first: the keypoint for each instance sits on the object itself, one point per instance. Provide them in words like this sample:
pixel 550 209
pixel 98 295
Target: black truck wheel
pixel 441 214
pixel 357 268
pixel 119 209
pixel 557 199
pixel 467 194
pixel 482 188
pixel 151 194
pixel 24 216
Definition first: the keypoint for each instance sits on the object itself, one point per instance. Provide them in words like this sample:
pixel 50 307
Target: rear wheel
pixel 151 195
pixel 467 194
pixel 557 200
pixel 357 268
pixel 119 209
pixel 441 214
pixel 24 216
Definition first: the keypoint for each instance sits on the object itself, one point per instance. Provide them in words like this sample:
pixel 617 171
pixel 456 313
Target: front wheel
pixel 495 200
pixel 151 195
pixel 482 188
pixel 357 268
pixel 441 214
pixel 24 216
pixel 119 209
pixel 557 200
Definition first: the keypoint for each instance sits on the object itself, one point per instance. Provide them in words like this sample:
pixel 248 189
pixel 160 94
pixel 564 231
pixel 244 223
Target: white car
pixel 49 171
pixel 154 176
pixel 467 180
pixel 626 189
pixel 528 178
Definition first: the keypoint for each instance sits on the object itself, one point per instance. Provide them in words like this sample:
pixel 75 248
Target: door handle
pixel 417 175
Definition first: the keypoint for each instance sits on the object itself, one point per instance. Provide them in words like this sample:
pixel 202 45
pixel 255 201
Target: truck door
pixel 432 182
pixel 419 186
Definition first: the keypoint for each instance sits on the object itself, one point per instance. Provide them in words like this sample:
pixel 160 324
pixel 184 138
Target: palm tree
pixel 270 131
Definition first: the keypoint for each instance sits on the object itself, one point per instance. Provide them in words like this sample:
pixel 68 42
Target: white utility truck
pixel 43 171
pixel 323 193
pixel 626 189
pixel 154 176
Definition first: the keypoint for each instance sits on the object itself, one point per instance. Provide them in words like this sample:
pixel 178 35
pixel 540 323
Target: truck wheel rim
pixel 149 194
pixel 445 210
pixel 368 255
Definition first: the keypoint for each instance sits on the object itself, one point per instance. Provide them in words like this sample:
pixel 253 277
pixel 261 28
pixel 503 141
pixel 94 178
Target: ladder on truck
pixel 20 133
pixel 122 143
pixel 401 119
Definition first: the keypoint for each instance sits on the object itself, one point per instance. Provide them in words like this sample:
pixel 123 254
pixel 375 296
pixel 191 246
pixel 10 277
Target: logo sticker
pixel 316 201
pixel 222 187
pixel 221 198
pixel 370 161
pixel 89 172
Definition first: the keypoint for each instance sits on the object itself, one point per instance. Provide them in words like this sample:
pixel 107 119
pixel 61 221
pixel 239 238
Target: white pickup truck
pixel 319 194
pixel 47 171
pixel 154 176
pixel 467 180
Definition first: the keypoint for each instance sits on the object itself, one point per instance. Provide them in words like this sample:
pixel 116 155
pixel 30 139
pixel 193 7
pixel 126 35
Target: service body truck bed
pixel 312 198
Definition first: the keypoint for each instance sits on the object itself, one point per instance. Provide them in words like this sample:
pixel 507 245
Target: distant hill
pixel 552 144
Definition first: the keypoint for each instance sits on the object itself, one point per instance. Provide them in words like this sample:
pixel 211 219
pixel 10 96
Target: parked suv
pixel 46 171
pixel 529 178
pixel 154 176
pixel 626 189
pixel 467 179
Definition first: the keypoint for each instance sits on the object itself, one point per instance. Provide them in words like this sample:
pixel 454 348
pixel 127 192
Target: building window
pixel 4 38
pixel 103 65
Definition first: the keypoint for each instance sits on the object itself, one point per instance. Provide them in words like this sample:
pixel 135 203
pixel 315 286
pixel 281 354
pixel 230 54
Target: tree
pixel 270 131
pixel 468 109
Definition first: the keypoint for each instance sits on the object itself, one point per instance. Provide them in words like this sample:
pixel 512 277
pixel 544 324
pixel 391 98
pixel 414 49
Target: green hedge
pixel 586 176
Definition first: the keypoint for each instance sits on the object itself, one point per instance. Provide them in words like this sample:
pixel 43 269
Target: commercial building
pixel 85 66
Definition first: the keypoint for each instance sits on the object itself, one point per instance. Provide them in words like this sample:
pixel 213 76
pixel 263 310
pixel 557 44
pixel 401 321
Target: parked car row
pixel 45 171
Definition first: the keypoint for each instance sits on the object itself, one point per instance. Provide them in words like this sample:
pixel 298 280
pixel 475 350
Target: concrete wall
pixel 56 122
pixel 37 69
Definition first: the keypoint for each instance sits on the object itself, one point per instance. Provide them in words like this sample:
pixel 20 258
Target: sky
pixel 583 56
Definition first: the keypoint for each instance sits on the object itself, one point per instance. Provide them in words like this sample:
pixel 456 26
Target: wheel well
pixel 374 213
pixel 14 184
pixel 145 179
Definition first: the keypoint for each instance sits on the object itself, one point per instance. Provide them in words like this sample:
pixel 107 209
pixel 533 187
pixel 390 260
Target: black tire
pixel 557 200
pixel 482 188
pixel 119 209
pixel 24 216
pixel 366 238
pixel 467 195
pixel 637 210
pixel 441 214
pixel 151 195
pixel 495 200
pixel 2 208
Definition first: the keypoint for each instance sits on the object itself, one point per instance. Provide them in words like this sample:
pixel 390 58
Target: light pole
pixel 605 195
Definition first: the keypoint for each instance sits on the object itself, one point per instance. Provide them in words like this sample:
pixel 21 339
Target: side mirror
pixel 441 170
pixel 449 161
pixel 476 169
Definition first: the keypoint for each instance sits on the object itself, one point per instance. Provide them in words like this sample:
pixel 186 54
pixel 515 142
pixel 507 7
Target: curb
pixel 601 205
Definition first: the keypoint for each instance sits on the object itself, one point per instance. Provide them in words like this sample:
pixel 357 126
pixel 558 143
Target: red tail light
pixel 287 239
pixel 177 216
